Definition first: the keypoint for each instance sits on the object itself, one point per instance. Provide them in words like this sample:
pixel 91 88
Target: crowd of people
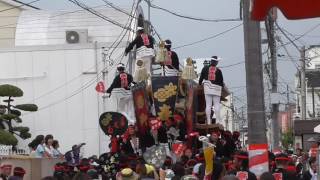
pixel 230 162
pixel 45 146
pixel 6 172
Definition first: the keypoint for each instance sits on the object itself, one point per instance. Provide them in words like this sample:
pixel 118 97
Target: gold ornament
pixel 164 113
pixel 106 120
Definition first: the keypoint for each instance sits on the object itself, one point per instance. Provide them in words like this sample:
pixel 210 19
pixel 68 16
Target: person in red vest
pixel 212 79
pixel 123 80
pixel 281 172
pixel 172 60
pixel 241 164
pixel 144 45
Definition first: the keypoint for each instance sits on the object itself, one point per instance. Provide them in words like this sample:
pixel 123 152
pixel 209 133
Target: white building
pixel 312 83
pixel 60 76
pixel 304 128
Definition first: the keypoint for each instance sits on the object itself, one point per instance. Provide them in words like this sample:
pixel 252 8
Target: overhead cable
pixel 190 17
pixel 208 38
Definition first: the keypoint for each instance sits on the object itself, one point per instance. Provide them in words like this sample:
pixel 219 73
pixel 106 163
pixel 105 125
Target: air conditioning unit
pixel 77 36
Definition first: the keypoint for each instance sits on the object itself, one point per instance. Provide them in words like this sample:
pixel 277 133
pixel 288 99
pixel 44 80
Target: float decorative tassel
pixel 141 73
pixel 209 153
pixel 188 71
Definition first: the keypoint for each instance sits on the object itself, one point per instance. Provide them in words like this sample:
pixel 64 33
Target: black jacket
pixel 117 82
pixel 307 175
pixel 285 175
pixel 3 177
pixel 204 76
pixel 175 60
pixel 138 42
pixel 127 147
pixel 217 171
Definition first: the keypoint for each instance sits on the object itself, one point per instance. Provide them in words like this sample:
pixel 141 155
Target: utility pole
pixel 303 83
pixel 254 78
pixel 288 97
pixel 149 10
pixel 270 22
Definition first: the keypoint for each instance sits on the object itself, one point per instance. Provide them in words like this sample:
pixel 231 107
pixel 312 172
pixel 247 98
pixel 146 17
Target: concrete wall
pixel 8 23
pixel 35 168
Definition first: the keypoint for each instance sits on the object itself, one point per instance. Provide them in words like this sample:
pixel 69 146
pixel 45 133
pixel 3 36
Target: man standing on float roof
pixel 144 45
pixel 172 60
pixel 212 80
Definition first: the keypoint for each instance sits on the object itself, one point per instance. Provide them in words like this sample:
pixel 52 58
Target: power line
pixel 290 57
pixel 190 17
pixel 292 41
pixel 76 92
pixel 92 11
pixel 231 65
pixel 23 4
pixel 131 15
pixel 208 38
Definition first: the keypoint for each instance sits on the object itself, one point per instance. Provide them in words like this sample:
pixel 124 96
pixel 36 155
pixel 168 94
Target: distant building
pixel 304 127
pixel 10 13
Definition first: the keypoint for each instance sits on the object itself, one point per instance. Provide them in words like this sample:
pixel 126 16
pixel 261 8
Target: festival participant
pixel 241 164
pixel 55 151
pixel 18 173
pixel 215 139
pixel 280 172
pixel 212 79
pixel 59 172
pixel 267 176
pixel 131 144
pixel 172 60
pixel 73 157
pixel 127 174
pixel 229 145
pixel 142 41
pixel 123 80
pixel 125 103
pixel 311 174
pixel 5 171
pixel 235 137
pixel 48 144
pixel 40 151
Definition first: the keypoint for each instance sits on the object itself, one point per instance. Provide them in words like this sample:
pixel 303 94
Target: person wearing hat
pixel 212 79
pixel 241 164
pixel 131 145
pixel 18 173
pixel 172 61
pixel 142 41
pixel 122 80
pixel 282 161
pixel 127 174
pixel 6 170
pixel 125 104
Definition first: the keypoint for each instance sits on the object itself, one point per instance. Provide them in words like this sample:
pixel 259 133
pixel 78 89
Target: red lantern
pixel 100 88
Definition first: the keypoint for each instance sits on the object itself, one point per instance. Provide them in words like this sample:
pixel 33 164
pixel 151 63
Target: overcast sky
pixel 228 46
